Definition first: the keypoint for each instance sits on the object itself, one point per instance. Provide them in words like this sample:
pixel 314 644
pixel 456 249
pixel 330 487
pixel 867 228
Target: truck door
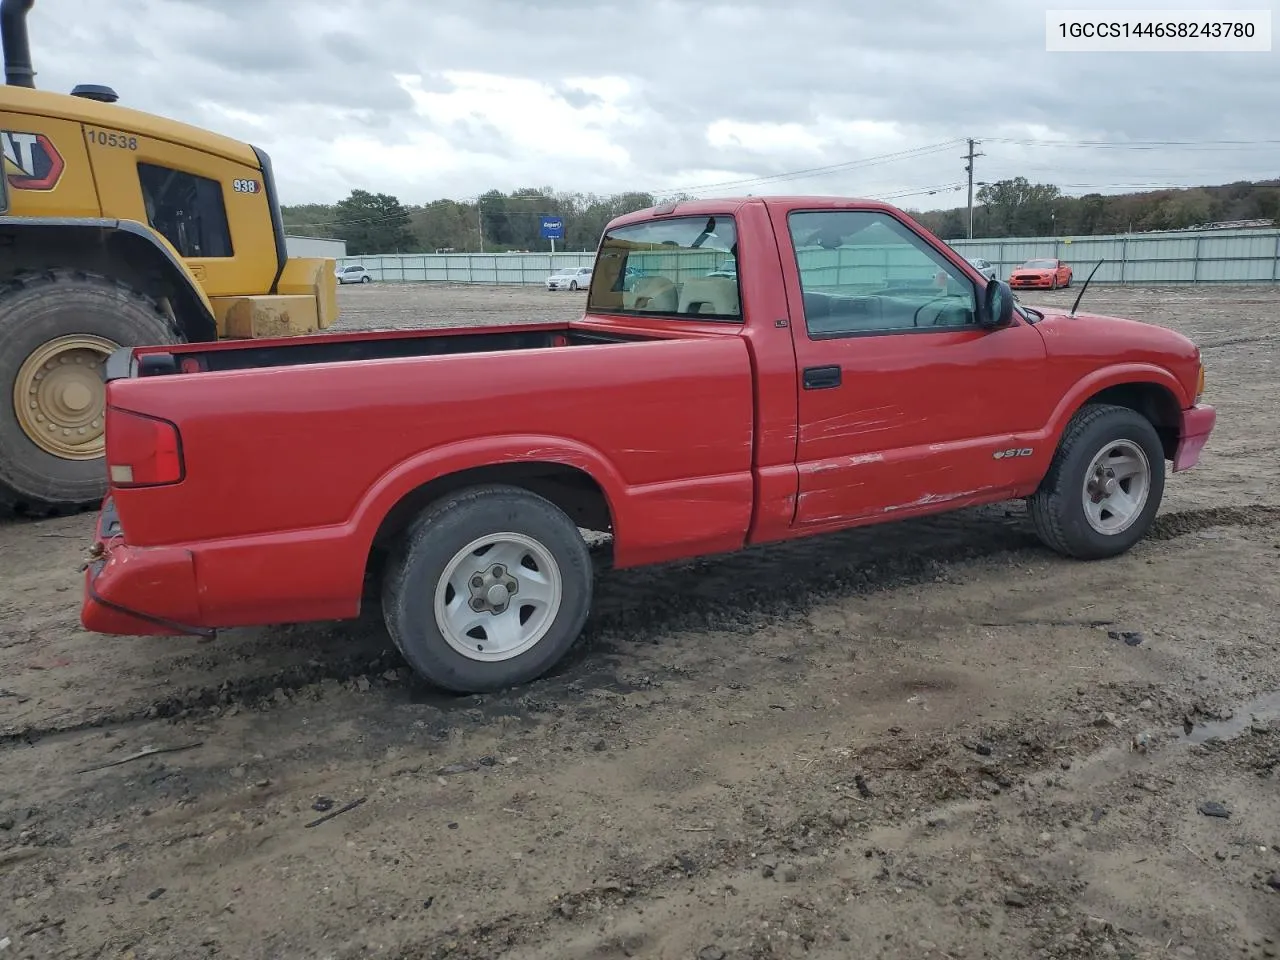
pixel 904 401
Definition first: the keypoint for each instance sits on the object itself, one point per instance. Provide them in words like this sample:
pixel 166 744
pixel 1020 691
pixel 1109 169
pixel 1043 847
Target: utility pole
pixel 480 223
pixel 968 168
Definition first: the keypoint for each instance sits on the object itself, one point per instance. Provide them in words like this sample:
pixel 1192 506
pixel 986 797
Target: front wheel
pixel 1104 485
pixel 573 284
pixel 488 589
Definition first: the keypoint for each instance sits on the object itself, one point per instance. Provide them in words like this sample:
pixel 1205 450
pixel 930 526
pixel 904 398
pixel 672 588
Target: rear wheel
pixel 488 589
pixel 1104 485
pixel 366 279
pixel 57 329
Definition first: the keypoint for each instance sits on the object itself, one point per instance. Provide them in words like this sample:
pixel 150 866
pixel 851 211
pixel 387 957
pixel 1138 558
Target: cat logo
pixel 30 160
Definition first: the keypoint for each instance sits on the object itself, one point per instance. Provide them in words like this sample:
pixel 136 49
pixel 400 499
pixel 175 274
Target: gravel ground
pixel 928 740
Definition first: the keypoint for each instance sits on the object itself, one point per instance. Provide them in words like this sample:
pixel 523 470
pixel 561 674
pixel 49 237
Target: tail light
pixel 142 451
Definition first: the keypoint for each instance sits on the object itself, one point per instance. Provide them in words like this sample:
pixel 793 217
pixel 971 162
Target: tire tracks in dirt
pixel 786 581
pixel 1233 341
pixel 1023 753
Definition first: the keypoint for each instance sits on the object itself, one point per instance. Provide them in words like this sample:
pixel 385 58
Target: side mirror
pixel 997 306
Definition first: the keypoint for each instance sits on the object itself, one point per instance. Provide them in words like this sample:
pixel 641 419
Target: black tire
pixel 366 279
pixel 418 561
pixel 1057 508
pixel 573 285
pixel 34 309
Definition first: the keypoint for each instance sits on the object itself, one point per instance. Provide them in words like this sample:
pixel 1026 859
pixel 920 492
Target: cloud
pixel 427 100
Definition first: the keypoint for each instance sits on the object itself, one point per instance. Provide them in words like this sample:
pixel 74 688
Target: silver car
pixel 984 267
pixel 354 274
pixel 574 278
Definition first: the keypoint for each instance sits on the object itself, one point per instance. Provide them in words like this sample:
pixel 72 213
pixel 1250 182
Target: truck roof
pixel 729 205
pixel 63 106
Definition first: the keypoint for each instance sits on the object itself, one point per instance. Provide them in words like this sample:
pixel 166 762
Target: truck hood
pixel 1102 339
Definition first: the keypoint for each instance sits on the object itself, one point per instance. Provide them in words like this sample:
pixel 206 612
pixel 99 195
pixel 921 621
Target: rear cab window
pixel 673 267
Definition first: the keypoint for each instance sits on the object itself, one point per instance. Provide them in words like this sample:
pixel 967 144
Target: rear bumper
pixel 1193 432
pixel 138 591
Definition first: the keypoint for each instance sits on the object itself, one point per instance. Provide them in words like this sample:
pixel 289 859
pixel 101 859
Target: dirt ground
pixel 929 740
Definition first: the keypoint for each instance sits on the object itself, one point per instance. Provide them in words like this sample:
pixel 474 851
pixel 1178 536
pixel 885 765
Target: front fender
pixel 1115 375
pixel 79 242
pixel 402 479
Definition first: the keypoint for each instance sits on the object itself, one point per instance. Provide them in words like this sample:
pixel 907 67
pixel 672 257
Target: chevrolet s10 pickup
pixel 746 371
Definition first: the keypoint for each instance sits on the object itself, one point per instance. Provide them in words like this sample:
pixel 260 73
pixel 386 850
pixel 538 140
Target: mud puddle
pixel 1259 712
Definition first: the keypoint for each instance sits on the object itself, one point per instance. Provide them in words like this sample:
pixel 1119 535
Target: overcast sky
pixel 447 98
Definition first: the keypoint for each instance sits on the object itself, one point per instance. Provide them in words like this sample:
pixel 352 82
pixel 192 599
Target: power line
pixel 815 171
pixel 1135 144
pixel 826 170
pixel 1154 184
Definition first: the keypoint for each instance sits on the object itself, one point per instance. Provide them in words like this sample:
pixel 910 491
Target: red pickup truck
pixel 746 371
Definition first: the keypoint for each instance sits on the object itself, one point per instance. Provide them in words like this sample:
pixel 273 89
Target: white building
pixel 315 247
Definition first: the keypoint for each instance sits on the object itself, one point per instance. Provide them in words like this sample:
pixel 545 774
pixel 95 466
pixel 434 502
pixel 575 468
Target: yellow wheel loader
pixel 118 229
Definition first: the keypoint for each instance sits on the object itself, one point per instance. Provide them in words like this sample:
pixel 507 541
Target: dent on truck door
pixel 904 401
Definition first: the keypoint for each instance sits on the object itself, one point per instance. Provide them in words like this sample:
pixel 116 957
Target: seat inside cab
pixel 715 295
pixel 710 295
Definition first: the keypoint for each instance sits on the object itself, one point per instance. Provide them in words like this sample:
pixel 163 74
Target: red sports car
pixel 1046 273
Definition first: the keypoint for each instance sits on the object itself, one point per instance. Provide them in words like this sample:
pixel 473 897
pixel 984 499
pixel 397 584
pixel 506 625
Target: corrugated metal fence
pixel 492 268
pixel 1210 256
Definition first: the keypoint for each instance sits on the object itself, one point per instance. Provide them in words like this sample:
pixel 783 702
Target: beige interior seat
pixel 657 294
pixel 717 295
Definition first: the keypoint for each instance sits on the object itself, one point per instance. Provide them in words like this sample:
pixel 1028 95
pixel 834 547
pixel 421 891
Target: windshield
pixel 663 266
pixel 1041 264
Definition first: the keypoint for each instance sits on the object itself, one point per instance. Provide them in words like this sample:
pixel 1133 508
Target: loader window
pixel 187 209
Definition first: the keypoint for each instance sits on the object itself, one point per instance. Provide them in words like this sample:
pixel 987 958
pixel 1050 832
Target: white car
pixel 984 267
pixel 354 274
pixel 575 278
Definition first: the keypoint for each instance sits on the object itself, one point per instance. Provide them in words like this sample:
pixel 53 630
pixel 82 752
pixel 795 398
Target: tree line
pixel 1019 208
pixel 373 223
pixel 496 221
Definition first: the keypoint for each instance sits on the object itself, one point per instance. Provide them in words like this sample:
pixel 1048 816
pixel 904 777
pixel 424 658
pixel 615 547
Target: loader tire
pixel 488 588
pixel 57 327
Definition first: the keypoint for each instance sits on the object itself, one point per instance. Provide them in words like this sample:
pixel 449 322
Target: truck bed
pixel 295 452
pixel 351 347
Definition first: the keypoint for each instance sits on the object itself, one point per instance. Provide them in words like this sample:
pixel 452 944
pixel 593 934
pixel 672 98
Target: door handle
pixel 821 378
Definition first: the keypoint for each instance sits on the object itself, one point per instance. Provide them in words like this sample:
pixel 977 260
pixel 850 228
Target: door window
pixel 865 272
